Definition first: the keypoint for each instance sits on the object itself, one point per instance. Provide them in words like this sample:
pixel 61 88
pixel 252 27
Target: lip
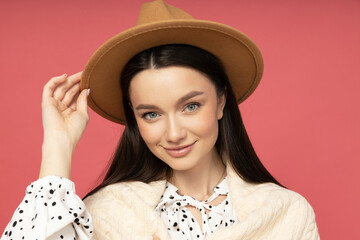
pixel 179 151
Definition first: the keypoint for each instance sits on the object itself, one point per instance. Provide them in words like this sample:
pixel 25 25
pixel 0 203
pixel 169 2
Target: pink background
pixel 303 119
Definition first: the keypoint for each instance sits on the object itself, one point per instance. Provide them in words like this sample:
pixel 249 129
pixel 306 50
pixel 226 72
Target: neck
pixel 200 181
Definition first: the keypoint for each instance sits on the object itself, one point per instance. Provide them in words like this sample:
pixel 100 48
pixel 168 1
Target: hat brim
pixel 240 56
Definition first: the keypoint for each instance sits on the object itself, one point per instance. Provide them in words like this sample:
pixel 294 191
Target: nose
pixel 175 132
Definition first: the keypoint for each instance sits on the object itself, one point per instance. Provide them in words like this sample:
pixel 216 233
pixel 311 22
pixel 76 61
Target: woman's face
pixel 177 112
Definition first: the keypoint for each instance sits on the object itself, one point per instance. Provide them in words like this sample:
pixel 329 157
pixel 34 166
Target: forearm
pixel 64 115
pixel 57 153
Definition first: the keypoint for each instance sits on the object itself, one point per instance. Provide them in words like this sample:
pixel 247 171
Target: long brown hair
pixel 133 161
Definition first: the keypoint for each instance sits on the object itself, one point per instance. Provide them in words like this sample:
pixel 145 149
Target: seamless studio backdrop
pixel 303 119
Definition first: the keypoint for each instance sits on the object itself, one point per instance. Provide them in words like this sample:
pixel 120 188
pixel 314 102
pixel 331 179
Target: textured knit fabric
pixel 50 210
pixel 180 221
pixel 263 211
pixel 127 211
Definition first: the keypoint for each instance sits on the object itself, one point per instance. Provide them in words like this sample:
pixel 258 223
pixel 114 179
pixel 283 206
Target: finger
pixel 51 85
pixel 64 87
pixel 82 102
pixel 69 95
pixel 73 104
pixel 154 237
pixel 75 77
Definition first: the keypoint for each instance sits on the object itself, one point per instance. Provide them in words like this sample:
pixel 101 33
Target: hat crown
pixel 158 10
pixel 162 24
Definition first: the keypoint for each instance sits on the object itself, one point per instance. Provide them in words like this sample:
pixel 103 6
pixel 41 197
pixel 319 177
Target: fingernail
pixel 88 92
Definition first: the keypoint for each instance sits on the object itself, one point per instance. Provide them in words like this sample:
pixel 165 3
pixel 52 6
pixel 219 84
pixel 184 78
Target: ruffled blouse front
pixel 181 223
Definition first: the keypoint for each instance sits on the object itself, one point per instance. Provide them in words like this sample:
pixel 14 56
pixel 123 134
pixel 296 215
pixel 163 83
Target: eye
pixel 192 107
pixel 150 115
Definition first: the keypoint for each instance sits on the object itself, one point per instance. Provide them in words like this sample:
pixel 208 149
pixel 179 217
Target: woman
pixel 184 168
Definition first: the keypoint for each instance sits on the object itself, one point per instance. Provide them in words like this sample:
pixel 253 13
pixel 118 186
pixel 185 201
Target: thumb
pixel 81 104
pixel 154 237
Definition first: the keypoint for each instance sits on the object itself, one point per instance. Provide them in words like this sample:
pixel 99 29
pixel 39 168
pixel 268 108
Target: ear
pixel 221 105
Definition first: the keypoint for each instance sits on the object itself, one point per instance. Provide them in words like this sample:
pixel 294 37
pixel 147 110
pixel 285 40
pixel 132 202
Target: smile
pixel 179 151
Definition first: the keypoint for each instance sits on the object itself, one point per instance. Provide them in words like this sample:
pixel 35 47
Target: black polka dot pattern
pixel 180 222
pixel 50 210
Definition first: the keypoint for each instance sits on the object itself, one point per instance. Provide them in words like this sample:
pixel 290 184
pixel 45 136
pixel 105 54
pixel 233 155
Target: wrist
pixel 56 157
pixel 58 142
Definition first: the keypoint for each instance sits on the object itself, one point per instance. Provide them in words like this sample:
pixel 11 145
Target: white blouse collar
pixel 171 196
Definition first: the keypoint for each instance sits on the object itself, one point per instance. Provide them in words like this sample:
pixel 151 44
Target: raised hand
pixel 65 116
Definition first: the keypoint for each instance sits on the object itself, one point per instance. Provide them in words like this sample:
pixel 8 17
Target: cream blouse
pixel 179 220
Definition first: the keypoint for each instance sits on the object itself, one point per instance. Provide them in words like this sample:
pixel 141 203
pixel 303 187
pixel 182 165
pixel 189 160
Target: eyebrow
pixel 182 99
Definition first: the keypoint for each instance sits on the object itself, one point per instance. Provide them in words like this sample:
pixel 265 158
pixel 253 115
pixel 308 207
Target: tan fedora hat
pixel 160 24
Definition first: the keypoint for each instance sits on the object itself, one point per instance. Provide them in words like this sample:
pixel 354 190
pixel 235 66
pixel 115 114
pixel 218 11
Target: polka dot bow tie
pixel 175 205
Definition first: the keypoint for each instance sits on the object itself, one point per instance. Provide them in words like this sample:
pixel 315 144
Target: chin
pixel 186 163
pixel 181 166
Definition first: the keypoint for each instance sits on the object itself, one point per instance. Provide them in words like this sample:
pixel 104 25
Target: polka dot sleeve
pixel 50 210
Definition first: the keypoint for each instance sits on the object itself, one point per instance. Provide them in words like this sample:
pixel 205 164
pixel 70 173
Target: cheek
pixel 151 133
pixel 205 124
